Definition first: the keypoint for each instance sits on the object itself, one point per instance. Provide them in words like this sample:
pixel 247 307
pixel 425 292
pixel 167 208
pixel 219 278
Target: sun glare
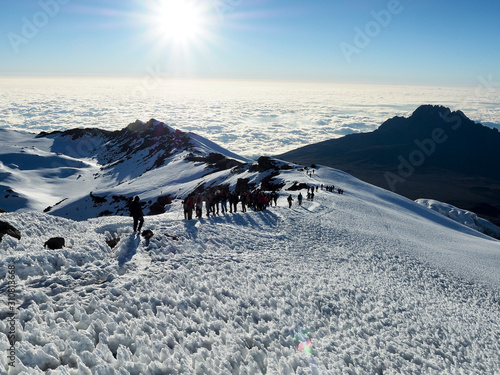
pixel 178 20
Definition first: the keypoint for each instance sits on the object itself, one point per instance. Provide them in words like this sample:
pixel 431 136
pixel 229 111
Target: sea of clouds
pixel 251 118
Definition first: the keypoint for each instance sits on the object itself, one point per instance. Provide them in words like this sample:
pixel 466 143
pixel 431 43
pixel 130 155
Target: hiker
pixel 249 197
pixel 233 201
pixel 199 203
pixel 299 199
pixel 223 201
pixel 275 196
pixel 188 207
pixel 290 200
pixel 136 213
pixel 243 199
pixel 208 202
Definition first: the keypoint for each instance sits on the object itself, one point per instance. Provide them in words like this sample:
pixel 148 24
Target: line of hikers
pixel 331 189
pixel 219 200
pixel 310 194
pixel 310 197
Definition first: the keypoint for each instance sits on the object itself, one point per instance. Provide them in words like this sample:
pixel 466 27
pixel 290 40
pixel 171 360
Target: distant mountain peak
pixel 429 110
pixel 425 118
pixel 434 152
pixel 153 127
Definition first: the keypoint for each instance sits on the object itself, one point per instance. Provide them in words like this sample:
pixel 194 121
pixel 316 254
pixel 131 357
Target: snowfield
pixel 464 217
pixel 362 283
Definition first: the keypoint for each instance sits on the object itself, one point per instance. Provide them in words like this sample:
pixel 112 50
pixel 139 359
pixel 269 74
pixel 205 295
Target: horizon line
pixel 227 79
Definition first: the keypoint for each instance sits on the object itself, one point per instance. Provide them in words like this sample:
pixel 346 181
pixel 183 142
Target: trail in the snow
pixel 330 287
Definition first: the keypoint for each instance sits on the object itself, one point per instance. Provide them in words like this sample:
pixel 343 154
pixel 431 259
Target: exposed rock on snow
pixel 147 234
pixel 8 229
pixel 113 242
pixel 55 243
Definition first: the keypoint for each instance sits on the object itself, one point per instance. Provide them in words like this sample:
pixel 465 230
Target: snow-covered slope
pixel 464 217
pixel 362 283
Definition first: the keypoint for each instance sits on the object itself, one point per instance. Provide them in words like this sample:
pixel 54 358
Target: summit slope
pixel 362 283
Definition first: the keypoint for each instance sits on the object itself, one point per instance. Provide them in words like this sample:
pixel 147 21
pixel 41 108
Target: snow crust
pixel 362 283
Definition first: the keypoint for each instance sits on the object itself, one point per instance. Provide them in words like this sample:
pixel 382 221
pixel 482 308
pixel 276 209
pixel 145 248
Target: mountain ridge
pixel 83 173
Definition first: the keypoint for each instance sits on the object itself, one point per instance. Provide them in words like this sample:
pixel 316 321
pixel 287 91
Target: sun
pixel 178 20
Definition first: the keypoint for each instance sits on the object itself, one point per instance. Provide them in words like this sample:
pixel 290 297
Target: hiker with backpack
pixel 136 213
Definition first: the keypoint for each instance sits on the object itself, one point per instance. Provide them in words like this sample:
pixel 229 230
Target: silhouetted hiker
pixel 243 199
pixel 208 202
pixel 199 203
pixel 233 202
pixel 136 212
pixel 290 200
pixel 223 201
pixel 188 207
pixel 299 199
pixel 275 196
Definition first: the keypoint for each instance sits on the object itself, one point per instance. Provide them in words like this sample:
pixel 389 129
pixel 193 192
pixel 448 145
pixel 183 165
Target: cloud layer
pixel 248 117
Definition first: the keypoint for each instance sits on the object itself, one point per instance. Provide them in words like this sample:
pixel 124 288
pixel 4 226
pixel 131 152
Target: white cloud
pixel 249 118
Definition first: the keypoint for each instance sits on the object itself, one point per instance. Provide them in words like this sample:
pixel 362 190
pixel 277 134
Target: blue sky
pixel 391 42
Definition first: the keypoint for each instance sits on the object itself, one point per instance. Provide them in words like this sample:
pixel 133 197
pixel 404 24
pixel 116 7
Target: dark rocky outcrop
pixel 296 186
pixel 113 242
pixel 158 207
pixel 97 200
pixel 216 161
pixel 8 229
pixel 147 234
pixel 269 183
pixel 243 185
pixel 55 243
pixel 264 163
